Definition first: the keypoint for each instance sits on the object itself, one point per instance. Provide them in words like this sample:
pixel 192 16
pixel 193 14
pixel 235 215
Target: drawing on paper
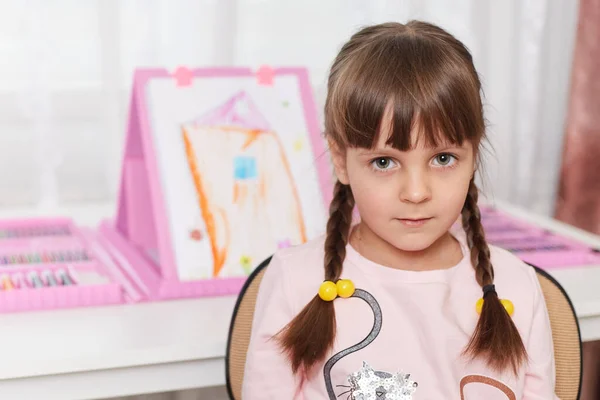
pixel 245 189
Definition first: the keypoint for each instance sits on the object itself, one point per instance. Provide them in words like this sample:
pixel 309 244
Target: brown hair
pixel 427 76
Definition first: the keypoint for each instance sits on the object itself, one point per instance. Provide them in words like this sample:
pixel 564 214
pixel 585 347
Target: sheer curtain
pixel 66 72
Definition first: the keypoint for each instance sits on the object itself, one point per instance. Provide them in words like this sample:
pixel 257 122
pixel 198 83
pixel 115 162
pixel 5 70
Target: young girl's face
pixel 408 198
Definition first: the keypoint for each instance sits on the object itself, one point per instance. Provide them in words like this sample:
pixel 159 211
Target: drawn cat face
pixel 369 384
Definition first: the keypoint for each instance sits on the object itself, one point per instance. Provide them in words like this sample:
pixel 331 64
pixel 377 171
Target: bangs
pixel 419 83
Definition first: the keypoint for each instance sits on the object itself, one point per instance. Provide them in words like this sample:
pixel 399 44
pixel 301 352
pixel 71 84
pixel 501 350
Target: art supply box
pixel 51 263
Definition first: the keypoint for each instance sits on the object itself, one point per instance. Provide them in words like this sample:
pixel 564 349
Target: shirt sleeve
pixel 540 376
pixel 268 374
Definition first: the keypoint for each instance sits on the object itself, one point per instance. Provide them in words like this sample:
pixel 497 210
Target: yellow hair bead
pixel 328 291
pixel 479 306
pixel 508 306
pixel 345 288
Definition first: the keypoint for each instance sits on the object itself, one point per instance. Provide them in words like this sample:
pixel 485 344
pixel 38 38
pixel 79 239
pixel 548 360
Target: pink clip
pixel 284 244
pixel 183 76
pixel 265 75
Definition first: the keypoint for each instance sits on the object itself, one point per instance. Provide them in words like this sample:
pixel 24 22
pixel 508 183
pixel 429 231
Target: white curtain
pixel 66 68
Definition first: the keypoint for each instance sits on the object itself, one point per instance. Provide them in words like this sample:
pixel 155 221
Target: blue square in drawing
pixel 244 167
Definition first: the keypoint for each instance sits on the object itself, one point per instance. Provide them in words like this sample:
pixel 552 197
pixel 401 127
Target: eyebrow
pixel 378 150
pixel 387 150
pixel 446 147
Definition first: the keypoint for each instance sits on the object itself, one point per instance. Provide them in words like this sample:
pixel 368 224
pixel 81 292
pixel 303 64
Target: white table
pixel 152 347
pixel 114 351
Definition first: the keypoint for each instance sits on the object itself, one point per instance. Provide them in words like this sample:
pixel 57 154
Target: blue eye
pixel 444 160
pixel 382 163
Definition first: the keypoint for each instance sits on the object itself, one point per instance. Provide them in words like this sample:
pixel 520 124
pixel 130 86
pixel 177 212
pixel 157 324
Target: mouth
pixel 414 222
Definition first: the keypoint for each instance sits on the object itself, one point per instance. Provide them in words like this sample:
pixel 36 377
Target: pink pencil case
pixel 534 245
pixel 51 263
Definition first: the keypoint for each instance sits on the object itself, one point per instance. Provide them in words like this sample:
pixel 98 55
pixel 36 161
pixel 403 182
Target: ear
pixel 338 156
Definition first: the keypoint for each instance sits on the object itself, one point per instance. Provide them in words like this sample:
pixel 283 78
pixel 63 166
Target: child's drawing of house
pixel 245 190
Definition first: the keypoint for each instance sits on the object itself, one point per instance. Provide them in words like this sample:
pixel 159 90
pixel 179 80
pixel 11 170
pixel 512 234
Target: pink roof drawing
pixel 239 111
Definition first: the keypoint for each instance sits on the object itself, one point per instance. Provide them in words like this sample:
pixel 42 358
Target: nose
pixel 416 188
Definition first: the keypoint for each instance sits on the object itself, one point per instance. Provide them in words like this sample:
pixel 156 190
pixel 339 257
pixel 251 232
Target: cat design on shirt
pixel 367 383
pixel 370 384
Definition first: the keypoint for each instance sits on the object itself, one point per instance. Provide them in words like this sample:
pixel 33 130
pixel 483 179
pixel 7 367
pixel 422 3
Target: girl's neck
pixel 442 254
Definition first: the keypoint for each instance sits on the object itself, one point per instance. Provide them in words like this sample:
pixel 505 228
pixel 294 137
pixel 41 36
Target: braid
pixel 496 337
pixel 308 337
pixel 480 252
pixel 338 229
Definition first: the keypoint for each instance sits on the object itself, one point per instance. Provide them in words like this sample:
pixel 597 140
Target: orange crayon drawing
pixel 245 191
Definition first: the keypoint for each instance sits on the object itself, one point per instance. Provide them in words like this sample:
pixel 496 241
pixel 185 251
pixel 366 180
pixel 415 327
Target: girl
pixel 401 305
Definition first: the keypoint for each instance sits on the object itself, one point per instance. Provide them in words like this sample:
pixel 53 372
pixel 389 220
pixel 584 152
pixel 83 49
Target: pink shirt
pixel 426 320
